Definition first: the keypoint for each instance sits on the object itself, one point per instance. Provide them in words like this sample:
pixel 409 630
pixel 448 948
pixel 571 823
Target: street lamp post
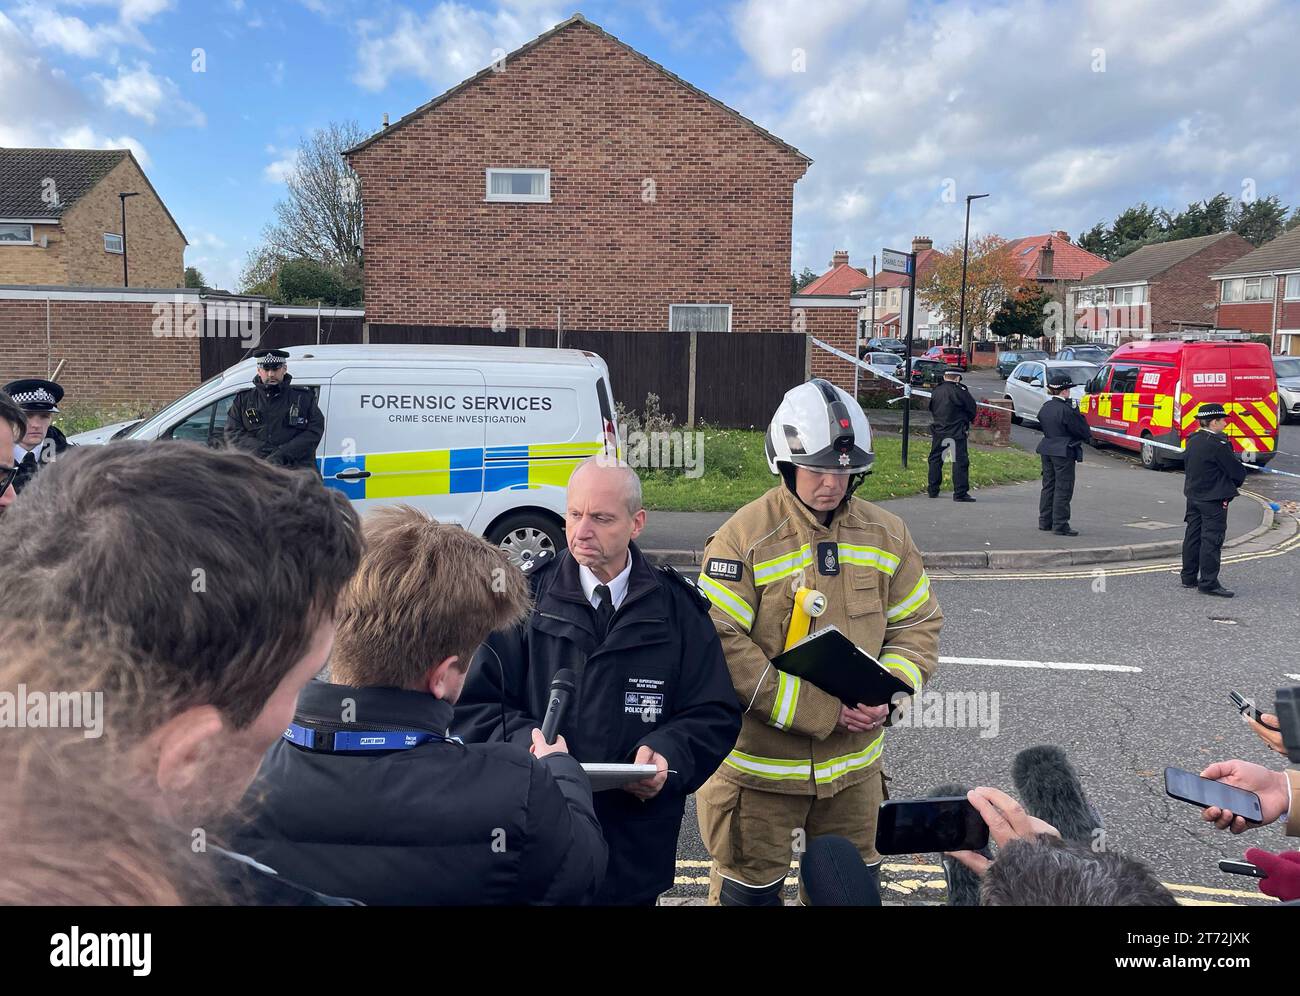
pixel 965 249
pixel 123 197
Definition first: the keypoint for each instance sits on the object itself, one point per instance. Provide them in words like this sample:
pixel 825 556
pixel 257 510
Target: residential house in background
pixel 1165 287
pixel 61 221
pixel 1053 260
pixel 577 185
pixel 1260 292
pixel 844 280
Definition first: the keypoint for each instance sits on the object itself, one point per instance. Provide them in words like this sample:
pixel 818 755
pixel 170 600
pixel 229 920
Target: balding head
pixel 604 515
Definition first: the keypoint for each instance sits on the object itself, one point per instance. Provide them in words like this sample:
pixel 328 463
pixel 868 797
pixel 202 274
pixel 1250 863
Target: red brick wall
pixel 836 327
pixel 1185 292
pixel 1254 317
pixel 603 122
pixel 113 359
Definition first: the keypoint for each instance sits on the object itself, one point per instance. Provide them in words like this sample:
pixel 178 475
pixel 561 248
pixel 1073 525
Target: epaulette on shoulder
pixel 700 600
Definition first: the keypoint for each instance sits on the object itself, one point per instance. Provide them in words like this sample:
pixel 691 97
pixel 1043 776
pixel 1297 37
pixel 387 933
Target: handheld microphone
pixel 1050 789
pixel 562 686
pixel 833 874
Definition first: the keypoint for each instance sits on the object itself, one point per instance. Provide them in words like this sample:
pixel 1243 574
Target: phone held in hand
pixel 1242 868
pixel 946 823
pixel 1192 788
pixel 1247 708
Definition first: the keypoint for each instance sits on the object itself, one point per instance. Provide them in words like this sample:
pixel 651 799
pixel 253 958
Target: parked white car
pixel 1027 385
pixel 1287 369
pixel 890 364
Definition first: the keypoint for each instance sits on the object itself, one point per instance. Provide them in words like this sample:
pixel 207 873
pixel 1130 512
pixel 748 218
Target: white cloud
pixel 86 137
pixel 448 44
pixel 144 95
pixel 40 107
pixel 50 29
pixel 279 170
pixel 1008 100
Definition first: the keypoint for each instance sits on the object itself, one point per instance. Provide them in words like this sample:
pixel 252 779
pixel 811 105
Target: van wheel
pixel 525 536
pixel 1151 458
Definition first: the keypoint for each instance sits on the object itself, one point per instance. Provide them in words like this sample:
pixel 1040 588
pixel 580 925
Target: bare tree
pixel 320 216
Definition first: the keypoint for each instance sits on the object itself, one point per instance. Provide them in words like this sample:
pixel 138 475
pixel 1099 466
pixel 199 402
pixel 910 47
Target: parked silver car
pixel 1027 385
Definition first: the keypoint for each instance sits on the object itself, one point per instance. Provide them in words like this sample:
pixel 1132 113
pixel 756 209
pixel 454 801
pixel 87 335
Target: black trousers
pixel 1207 525
pixel 960 466
pixel 1058 489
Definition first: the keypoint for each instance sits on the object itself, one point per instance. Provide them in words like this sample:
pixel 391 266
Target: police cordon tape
pixel 908 392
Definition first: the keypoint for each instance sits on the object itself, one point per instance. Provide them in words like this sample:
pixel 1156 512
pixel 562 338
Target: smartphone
pixel 946 823
pixel 1242 868
pixel 1247 708
pixel 1188 787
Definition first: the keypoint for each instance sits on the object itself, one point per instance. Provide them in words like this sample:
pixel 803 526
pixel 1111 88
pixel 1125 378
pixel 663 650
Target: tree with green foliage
pixel 305 281
pixel 1208 217
pixel 318 220
pixel 1021 313
pixel 1262 220
pixel 1096 240
pixel 798 283
pixel 193 278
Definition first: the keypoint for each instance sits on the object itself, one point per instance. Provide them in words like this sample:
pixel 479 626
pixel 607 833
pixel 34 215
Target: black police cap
pixel 35 395
pixel 1211 409
pixel 271 357
pixel 1059 379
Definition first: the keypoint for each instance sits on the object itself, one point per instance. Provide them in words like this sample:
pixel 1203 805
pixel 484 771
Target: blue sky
pixel 1066 112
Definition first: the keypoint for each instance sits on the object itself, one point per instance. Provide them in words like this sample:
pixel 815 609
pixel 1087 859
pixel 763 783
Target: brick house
pixel 836 307
pixel 61 221
pixel 577 184
pixel 1164 287
pixel 1260 292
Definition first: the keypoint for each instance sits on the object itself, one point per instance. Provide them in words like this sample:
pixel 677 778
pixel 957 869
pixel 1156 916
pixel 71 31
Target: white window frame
pixel 120 245
pixel 1292 285
pixel 700 305
pixel 1231 292
pixel 542 198
pixel 31 234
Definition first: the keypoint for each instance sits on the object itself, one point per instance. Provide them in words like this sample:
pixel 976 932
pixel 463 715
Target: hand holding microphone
pixel 563 686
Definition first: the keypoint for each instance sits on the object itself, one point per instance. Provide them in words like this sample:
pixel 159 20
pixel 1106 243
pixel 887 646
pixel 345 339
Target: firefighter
pixel 1211 475
pixel 807 764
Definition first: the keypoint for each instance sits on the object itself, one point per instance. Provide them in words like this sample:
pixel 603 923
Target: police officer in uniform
pixel 953 409
pixel 1211 475
pixel 651 682
pixel 274 419
pixel 1064 433
pixel 42 442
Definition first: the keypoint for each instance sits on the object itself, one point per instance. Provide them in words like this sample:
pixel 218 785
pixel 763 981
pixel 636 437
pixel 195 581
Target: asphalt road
pixel 1156 664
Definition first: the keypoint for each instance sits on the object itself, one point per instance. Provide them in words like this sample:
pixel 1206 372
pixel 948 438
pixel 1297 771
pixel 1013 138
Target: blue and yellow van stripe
pixel 465 470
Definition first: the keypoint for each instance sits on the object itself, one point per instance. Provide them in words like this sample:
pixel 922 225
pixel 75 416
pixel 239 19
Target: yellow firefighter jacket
pixel 878 595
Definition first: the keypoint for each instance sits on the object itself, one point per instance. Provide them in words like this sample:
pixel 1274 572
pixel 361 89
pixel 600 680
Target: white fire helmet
pixel 820 427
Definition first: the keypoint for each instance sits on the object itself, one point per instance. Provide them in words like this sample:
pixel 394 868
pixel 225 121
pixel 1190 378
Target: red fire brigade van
pixel 1151 389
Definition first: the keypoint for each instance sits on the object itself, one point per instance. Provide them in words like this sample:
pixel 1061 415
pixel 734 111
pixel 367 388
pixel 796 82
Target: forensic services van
pixel 483 436
pixel 1152 388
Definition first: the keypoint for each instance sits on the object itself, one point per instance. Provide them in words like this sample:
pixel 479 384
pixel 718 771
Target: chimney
pixel 385 119
pixel 920 243
pixel 1046 258
pixel 841 258
pixel 1062 236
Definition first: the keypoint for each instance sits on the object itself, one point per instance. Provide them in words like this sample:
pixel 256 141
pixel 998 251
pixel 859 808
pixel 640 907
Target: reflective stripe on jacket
pixel 878 595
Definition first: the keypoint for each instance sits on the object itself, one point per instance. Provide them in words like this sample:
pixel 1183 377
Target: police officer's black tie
pixel 604 609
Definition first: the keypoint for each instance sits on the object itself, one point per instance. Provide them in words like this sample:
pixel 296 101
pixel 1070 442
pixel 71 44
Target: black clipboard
pixel 832 662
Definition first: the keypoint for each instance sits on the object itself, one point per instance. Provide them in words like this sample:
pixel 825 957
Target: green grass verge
pixel 75 418
pixel 735 472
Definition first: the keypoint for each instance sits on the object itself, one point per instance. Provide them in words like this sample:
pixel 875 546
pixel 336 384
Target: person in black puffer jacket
pixel 369 795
